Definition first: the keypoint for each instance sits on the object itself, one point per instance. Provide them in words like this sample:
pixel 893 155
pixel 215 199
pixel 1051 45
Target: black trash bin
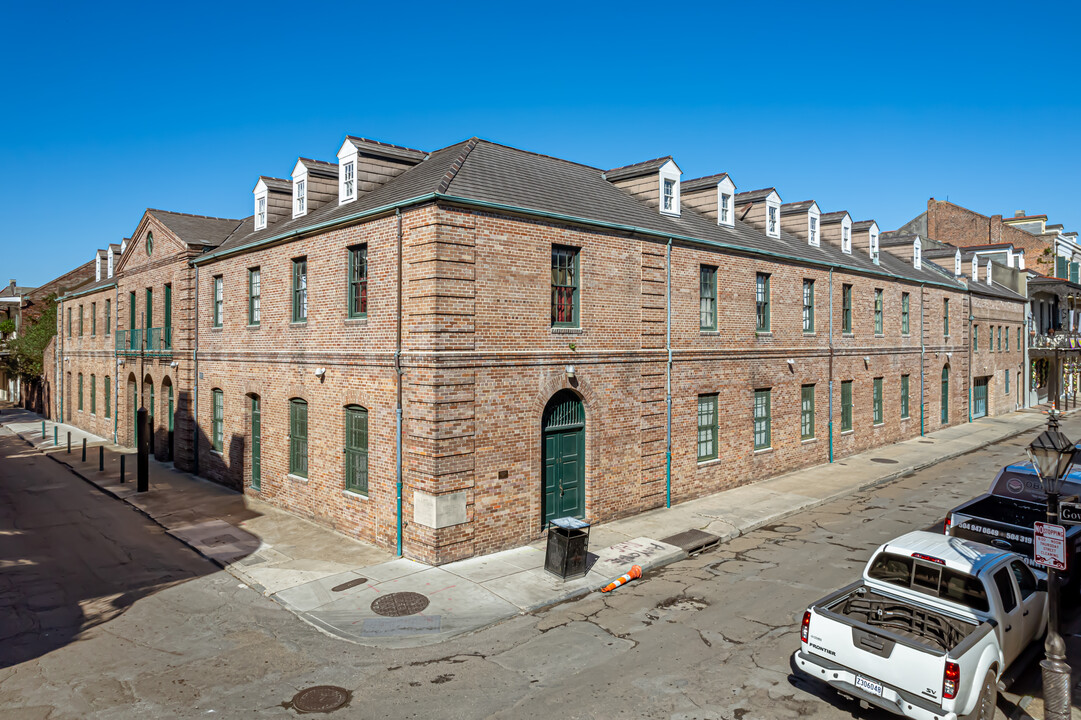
pixel 568 543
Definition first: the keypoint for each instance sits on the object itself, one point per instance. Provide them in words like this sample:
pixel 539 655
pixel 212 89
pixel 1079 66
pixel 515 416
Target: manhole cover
pixel 399 604
pixel 884 461
pixel 321 698
pixel 350 584
pixel 784 529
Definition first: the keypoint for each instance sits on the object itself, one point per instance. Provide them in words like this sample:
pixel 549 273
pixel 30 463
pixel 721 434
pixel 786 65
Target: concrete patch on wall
pixel 439 511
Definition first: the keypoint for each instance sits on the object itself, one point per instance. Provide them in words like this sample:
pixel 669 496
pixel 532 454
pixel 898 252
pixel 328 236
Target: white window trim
pixel 814 229
pixel 957 263
pixel 874 247
pixel 917 253
pixel 344 194
pixel 110 269
pixel 775 209
pixel 846 236
pixel 299 211
pixel 97 268
pixel 669 171
pixel 726 213
pixel 261 196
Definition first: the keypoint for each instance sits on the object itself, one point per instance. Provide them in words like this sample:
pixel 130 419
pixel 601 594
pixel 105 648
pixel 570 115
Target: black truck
pixel 1005 516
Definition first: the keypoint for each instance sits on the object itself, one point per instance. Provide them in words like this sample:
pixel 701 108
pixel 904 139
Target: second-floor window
pixel 707 298
pixel 93 319
pixel 761 302
pixel 808 305
pixel 80 321
pixel 300 290
pixel 69 321
pixel 846 308
pixel 218 299
pixel 254 295
pixel 998 339
pixel 904 313
pixel 358 281
pixel 108 317
pixel 565 312
pixel 878 311
pixel 975 338
pixel 1006 344
pixel 946 317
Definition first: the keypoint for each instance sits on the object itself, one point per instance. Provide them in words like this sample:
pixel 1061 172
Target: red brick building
pixel 542 332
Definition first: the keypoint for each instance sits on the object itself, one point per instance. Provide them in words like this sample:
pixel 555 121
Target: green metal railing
pixel 145 341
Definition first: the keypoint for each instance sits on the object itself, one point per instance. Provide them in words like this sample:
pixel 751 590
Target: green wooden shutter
pixel 219 419
pixel 707 427
pixel 356 449
pixel 904 396
pixel 167 321
pixel 846 405
pixel 80 391
pixel 298 438
pixel 807 412
pixel 878 401
pixel 1061 270
pixel 761 419
pixel 707 298
pixel 904 313
pixel 108 396
pixel 93 395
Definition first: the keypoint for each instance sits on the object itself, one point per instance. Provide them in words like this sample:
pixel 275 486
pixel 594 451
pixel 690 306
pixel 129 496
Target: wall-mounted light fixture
pixel 867 360
pixel 320 372
pixel 174 364
pixel 570 372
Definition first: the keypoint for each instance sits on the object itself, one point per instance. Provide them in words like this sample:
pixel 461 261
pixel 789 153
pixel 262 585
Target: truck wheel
pixel 988 700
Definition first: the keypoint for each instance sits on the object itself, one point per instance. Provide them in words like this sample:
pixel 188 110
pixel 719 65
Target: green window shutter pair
pixel 1061 270
pixel 761 419
pixel 218 439
pixel 298 438
pixel 358 281
pixel 93 395
pixel 904 314
pixel 878 311
pixel 946 318
pixel 219 299
pixel 761 292
pixel 108 398
pixel 108 317
pixel 255 292
pixel 846 308
pixel 707 427
pixel 807 412
pixel 846 405
pixel 904 396
pixel 878 419
pixel 300 293
pixel 80 391
pixel 356 449
pixel 707 298
pixel 808 306
pixel 93 319
pixel 565 291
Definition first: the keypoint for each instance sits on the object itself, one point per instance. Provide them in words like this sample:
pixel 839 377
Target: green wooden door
pixel 150 417
pixel 564 457
pixel 945 395
pixel 256 444
pixel 134 392
pixel 979 397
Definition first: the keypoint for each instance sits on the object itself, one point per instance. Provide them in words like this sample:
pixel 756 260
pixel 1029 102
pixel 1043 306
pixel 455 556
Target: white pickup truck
pixel 929 630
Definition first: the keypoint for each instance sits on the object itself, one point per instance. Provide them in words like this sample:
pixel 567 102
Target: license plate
pixel 869 686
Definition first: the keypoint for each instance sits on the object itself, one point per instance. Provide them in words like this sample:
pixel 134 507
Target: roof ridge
pixel 317 162
pixel 771 188
pixel 174 212
pixel 448 177
pixel 383 144
pixel 268 177
pixel 537 154
pixel 704 177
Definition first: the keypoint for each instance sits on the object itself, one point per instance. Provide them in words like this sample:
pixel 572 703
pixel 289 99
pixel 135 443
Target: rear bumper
pixel 895 701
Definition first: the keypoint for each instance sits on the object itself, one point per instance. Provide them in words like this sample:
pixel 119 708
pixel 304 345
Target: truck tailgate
pixel 886 659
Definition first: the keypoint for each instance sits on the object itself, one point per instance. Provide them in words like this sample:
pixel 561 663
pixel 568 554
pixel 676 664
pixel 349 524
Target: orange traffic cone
pixel 634 574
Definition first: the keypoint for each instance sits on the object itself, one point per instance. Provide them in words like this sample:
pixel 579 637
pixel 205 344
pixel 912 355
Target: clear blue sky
pixel 869 107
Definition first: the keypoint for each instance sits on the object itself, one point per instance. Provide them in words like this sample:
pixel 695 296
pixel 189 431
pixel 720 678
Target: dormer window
pixel 771 227
pixel 97 268
pixel 874 248
pixel 957 264
pixel 669 188
pixel 724 208
pixel 300 198
pixel 110 262
pixel 669 195
pixel 260 213
pixel 846 240
pixel 812 230
pixel 349 181
pixel 917 253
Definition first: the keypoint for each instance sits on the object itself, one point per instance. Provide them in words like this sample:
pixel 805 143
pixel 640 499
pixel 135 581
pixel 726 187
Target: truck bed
pixel 922 625
pixel 1004 510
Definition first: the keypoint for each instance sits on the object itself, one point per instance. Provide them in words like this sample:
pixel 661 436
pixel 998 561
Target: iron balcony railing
pixel 1057 340
pixel 154 342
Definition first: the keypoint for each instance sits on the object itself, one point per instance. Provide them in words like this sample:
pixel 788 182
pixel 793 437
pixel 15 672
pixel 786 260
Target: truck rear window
pixel 929 579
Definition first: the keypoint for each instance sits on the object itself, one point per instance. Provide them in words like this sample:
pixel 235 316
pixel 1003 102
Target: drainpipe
pixel 116 368
pixel 195 385
pixel 829 424
pixel 668 376
pixel 970 319
pixel 923 353
pixel 60 363
pixel 398 372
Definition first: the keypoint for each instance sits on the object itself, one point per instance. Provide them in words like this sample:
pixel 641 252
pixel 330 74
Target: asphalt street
pixel 103 615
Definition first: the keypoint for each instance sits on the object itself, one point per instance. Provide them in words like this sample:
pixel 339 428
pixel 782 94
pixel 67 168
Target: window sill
pixel 253 326
pixel 880 335
pixel 299 323
pixel 354 495
pixel 809 441
pixel 847 334
pixel 847 432
pixel 216 328
pixel 558 330
pixel 809 333
pixel 878 425
pixel 296 478
pixel 360 320
pixel 216 452
pixel 706 463
pixel 906 419
pixel 762 451
pixel 763 333
pixel 709 333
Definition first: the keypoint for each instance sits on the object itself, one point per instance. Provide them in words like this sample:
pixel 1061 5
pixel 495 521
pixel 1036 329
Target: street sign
pixel 1069 513
pixel 1049 548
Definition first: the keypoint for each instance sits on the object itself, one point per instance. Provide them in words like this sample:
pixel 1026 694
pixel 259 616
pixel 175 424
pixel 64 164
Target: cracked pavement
pixel 107 616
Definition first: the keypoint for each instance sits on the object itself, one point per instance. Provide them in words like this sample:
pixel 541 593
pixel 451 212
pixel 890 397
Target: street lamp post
pixel 1051 454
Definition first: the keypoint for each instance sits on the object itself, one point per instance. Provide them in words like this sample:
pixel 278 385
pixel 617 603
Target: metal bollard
pixel 69 442
pixel 56 437
pixel 101 458
pixel 42 429
pixel 122 469
pixel 84 449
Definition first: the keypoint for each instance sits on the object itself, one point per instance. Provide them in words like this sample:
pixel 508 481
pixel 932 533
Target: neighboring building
pixel 444 350
pixel 11 322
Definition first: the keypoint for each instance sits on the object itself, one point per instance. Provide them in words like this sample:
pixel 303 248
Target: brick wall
pixel 962 227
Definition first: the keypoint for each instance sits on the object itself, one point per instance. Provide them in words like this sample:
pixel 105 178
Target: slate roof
pixel 87 289
pixel 642 168
pixel 364 145
pixel 196 229
pixel 482 172
pixel 980 287
pixel 709 181
pixel 896 239
pixel 20 290
pixel 796 207
pixel 320 168
pixel 754 195
pixel 862 225
pixel 833 217
pixel 277 184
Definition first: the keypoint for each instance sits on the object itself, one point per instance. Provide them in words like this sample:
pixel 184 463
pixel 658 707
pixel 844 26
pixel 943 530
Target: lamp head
pixel 1051 454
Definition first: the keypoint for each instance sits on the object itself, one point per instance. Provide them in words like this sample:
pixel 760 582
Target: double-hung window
pixel 707 298
pixel 261 212
pixel 807 412
pixel 80 321
pixel 69 321
pixel 108 395
pixel 945 317
pixel 255 295
pixel 669 195
pixel 904 313
pixel 565 297
pixel 846 308
pixel 302 196
pixel 356 449
pixel 846 405
pixel 108 317
pixel 878 311
pixel 707 427
pixel 990 338
pixel 300 290
pixel 218 438
pixel 1006 374
pixel 998 339
pixel 812 230
pixel 761 419
pixel 761 300
pixel 904 396
pixel 218 299
pixel 975 338
pixel 808 305
pixel 358 281
pixel 348 179
pixel 1006 344
pixel 93 394
pixel 877 401
pixel 93 319
pixel 725 209
pixel 772 213
pixel 298 438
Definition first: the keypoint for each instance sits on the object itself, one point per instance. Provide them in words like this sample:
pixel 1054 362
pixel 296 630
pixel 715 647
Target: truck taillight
pixel 950 680
pixel 806 626
pixel 946 526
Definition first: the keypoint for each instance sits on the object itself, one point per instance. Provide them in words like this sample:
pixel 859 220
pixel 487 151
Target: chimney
pixel 804 220
pixel 1018 213
pixel 712 196
pixel 12 285
pixel 761 209
pixel 365 165
pixel 654 182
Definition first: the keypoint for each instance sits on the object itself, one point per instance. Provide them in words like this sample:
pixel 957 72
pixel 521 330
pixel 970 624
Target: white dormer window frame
pixel 988 271
pixel 1020 260
pixel 975 269
pixel 874 247
pixel 123 246
pixel 726 194
pixel 814 226
pixel 300 196
pixel 846 236
pixel 97 268
pixel 957 263
pixel 668 186
pixel 261 201
pixel 110 263
pixel 348 189
pixel 917 253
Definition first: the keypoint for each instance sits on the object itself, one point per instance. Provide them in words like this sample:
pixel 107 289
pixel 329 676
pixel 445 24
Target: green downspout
pixel 967 343
pixel 923 352
pixel 668 377
pixel 829 424
pixel 398 372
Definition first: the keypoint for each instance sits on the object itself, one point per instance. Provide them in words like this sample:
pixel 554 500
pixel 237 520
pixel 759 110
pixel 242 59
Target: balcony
pixel 148 342
pixel 1061 340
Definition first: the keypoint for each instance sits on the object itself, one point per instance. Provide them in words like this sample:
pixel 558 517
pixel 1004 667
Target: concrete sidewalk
pixel 333 582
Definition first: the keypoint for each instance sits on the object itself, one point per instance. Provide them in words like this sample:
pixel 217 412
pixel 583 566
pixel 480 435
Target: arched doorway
pixel 167 401
pixel 133 404
pixel 256 441
pixel 945 394
pixel 564 433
